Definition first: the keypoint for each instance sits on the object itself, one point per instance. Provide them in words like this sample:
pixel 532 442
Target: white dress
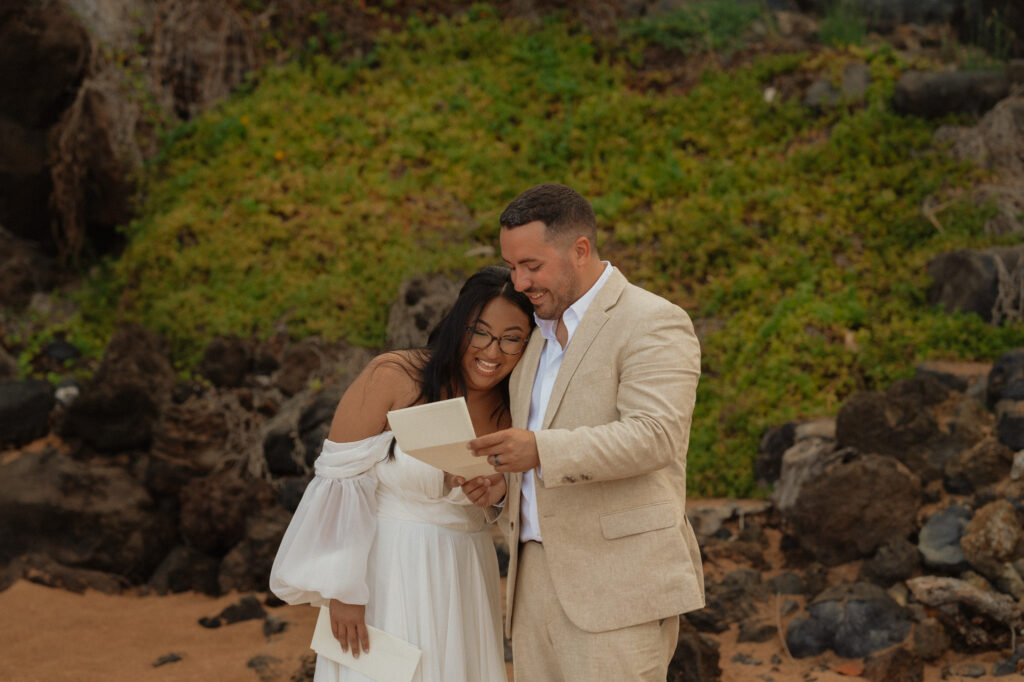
pixel 384 533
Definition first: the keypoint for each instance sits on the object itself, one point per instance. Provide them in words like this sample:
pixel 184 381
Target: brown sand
pixel 54 635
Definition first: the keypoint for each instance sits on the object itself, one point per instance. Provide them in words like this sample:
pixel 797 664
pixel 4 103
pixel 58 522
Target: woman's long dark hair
pixel 440 372
pixel 437 368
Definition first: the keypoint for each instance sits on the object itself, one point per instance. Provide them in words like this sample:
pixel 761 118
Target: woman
pixel 389 541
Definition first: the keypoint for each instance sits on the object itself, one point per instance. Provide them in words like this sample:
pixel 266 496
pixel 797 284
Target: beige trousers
pixel 548 647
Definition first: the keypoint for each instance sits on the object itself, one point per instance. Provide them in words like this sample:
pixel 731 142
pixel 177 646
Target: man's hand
pixel 509 450
pixel 485 491
pixel 348 623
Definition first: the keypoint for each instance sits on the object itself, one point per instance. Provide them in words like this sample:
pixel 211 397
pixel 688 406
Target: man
pixel 603 559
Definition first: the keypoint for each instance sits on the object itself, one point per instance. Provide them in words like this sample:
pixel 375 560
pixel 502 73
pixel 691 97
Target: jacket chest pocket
pixel 638 520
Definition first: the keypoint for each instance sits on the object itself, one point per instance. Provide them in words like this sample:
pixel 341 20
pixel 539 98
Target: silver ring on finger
pixel 496 462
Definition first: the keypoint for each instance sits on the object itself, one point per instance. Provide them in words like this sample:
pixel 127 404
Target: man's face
pixel 545 271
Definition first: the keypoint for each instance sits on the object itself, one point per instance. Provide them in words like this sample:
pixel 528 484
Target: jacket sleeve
pixel 325 549
pixel 655 392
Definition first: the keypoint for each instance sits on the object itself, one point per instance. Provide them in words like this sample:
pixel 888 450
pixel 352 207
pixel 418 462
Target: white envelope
pixel 390 659
pixel 437 433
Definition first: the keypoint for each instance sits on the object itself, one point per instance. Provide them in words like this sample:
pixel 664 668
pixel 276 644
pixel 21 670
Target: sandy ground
pixel 54 635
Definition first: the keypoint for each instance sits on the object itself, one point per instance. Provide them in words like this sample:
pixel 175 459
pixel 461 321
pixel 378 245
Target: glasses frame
pixel 473 331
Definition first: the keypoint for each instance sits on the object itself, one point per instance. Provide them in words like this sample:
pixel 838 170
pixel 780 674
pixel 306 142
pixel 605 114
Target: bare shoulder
pixel 389 381
pixel 396 371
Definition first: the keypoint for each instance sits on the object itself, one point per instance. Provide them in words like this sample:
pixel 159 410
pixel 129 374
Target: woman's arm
pixel 385 383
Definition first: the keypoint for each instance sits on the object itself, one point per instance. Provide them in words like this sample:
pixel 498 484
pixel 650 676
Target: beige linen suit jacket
pixel 611 503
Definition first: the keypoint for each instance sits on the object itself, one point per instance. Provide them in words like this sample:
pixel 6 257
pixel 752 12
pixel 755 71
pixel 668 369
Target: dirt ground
pixel 55 636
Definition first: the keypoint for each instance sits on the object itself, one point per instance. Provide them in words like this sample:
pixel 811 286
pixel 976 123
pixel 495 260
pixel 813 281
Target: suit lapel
pixel 521 384
pixel 593 320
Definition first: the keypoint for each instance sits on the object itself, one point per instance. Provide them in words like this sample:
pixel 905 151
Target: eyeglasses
pixel 509 345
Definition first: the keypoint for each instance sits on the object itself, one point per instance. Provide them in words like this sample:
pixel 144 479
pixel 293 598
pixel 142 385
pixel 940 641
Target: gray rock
pixel 82 515
pixel 872 622
pixel 956 376
pixel 284 452
pixel 1009 666
pixel 8 364
pixel 898 423
pixel 854 506
pixel 852 620
pixel 786 583
pixel 193 433
pixel 246 608
pixel 939 539
pixel 185 569
pixel 226 361
pixel 821 95
pixel 1006 379
pixel 696 658
pixel 24 411
pixel 894 562
pixel 992 542
pixel 46 53
pixel 774 444
pixel 897 665
pixel 885 15
pixel 729 601
pixel 67 391
pixel 801 463
pixel 930 639
pixel 1017 471
pixel 315 421
pixel 936 94
pixel 822 427
pixel 422 302
pixel 707 516
pixel 970 470
pixel 44 570
pixel 756 631
pixel 119 408
pixel 291 491
pixel 814 635
pixel 856 79
pixel 969 280
pixel 298 365
pixel 214 510
pixel 1010 423
pixel 971 670
pixel 246 568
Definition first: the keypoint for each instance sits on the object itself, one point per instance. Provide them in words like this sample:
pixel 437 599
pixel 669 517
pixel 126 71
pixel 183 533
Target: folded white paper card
pixel 437 433
pixel 390 659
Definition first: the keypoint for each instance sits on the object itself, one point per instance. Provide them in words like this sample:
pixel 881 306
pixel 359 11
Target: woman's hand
pixel 348 623
pixel 484 491
pixel 451 481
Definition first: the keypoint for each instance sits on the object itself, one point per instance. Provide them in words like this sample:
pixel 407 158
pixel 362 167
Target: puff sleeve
pixel 325 549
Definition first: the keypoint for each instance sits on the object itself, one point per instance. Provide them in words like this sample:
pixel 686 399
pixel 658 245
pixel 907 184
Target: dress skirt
pixel 435 588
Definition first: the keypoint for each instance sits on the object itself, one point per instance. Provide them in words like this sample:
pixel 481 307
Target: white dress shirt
pixel 547 372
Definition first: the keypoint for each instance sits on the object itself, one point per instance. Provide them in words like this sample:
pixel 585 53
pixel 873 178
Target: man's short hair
pixel 564 212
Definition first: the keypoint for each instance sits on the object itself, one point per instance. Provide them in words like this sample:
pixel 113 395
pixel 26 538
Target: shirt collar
pixel 574 313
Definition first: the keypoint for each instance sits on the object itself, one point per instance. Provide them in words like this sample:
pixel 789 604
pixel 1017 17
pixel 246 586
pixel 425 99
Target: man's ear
pixel 581 249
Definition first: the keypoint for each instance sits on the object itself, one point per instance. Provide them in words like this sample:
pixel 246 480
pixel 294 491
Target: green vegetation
pixel 795 236
pixel 843 24
pixel 713 26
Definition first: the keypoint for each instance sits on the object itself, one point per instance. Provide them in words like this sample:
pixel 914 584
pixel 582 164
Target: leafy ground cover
pixel 793 237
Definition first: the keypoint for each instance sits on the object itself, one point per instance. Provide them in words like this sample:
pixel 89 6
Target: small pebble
pixel 166 658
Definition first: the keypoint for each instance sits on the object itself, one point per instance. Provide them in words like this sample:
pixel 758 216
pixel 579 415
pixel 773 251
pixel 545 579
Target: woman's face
pixel 484 368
